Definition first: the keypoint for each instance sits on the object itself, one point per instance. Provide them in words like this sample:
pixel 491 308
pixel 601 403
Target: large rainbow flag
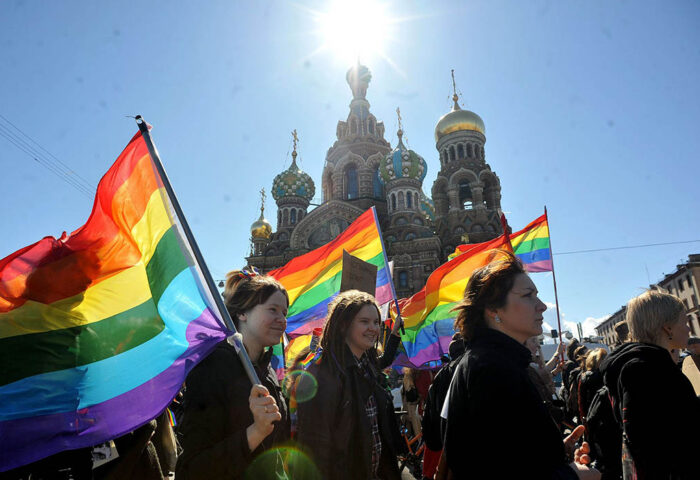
pixel 531 246
pixel 427 315
pixel 98 329
pixel 313 279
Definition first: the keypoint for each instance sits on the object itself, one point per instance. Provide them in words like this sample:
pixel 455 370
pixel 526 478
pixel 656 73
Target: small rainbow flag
pixel 428 317
pixel 98 329
pixel 531 246
pixel 313 279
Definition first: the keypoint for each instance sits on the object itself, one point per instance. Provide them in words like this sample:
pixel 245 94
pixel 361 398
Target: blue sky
pixel 590 108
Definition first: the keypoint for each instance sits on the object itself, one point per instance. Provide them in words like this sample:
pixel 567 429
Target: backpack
pixel 432 423
pixel 572 400
pixel 604 434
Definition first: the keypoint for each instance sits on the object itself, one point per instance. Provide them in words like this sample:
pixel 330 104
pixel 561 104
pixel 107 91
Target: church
pixel 362 170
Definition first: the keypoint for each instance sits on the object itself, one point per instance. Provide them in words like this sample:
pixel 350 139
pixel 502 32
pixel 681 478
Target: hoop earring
pixel 497 319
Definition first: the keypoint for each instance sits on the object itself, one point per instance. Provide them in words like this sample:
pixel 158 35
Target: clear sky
pixel 590 108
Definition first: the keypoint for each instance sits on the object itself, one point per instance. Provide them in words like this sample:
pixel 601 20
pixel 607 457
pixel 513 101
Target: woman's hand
pixel 580 454
pixel 397 325
pixel 265 413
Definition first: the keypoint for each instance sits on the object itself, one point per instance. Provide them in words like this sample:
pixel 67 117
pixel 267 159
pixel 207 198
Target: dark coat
pixel 591 381
pixel 217 414
pixel 659 410
pixel 333 426
pixel 497 424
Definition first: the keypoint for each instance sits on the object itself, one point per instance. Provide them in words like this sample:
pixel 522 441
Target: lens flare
pixel 271 463
pixel 301 384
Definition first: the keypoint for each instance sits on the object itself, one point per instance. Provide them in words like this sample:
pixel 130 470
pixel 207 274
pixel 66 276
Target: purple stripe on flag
pixel 542 266
pixel 430 353
pixel 26 440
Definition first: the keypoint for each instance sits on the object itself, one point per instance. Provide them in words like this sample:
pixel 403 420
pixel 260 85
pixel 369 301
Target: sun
pixel 356 29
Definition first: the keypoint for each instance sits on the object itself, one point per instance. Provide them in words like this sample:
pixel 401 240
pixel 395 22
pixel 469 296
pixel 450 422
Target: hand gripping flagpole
pixel 236 339
pixel 554 278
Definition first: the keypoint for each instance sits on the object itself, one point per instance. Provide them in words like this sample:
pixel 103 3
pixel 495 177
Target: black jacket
pixel 497 424
pixel 591 381
pixel 217 414
pixel 659 411
pixel 333 426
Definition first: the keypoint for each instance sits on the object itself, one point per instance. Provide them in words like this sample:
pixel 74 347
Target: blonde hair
pixel 649 312
pixel 594 358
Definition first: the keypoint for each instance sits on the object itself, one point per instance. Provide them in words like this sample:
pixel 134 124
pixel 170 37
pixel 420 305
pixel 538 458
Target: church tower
pixel 260 230
pixel 466 193
pixel 409 235
pixel 351 171
pixel 292 190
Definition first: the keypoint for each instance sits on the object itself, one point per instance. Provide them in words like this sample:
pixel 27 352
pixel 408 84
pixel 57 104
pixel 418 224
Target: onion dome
pixel 459 120
pixel 402 163
pixel 261 228
pixel 427 206
pixel 293 183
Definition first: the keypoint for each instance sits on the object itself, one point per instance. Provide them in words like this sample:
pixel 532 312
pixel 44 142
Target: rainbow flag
pixel 98 329
pixel 531 246
pixel 427 315
pixel 313 279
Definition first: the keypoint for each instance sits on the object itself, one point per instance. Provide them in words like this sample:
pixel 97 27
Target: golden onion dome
pixel 261 228
pixel 458 120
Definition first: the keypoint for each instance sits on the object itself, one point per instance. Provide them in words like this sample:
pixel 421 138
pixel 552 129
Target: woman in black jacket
pixel 226 424
pixel 654 402
pixel 497 424
pixel 348 425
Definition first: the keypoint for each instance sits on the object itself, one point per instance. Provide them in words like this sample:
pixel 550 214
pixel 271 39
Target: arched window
pixel 371 126
pixel 444 156
pixel 293 216
pixel 300 215
pixel 409 200
pixel 402 202
pixel 465 195
pixel 351 187
pixel 470 150
pixel 417 200
pixel 460 151
pixel 452 153
pixel 403 279
pixel 377 187
pixel 410 236
pixel 285 217
pixel 279 217
pixel 353 126
pixel 393 201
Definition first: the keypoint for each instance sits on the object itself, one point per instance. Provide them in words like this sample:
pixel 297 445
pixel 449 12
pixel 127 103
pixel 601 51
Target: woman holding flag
pixel 497 424
pixel 226 423
pixel 347 425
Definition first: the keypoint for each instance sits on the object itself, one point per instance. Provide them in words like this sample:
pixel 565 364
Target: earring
pixel 496 319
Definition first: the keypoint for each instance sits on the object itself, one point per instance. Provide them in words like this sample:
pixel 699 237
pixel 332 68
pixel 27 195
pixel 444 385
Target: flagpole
pixel 554 277
pixel 386 262
pixel 236 338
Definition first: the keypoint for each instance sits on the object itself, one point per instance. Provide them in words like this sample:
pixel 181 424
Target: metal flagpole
pixel 554 277
pixel 236 340
pixel 386 262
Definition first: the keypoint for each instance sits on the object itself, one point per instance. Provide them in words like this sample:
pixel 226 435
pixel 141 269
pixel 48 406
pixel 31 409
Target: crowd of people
pixel 493 410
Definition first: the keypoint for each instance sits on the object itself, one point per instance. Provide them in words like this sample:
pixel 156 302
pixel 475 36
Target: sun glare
pixel 354 29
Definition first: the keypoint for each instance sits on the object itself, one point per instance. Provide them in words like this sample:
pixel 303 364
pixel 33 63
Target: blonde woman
pixel 654 402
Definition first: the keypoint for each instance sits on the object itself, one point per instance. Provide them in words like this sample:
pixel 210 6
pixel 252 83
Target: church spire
pixel 455 97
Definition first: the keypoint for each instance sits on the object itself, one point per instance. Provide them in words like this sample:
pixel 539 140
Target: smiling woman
pixel 354 29
pixel 338 425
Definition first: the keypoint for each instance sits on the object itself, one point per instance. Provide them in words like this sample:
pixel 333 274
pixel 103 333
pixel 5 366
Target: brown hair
pixel 246 288
pixel 488 287
pixel 594 358
pixel 341 312
pixel 650 311
pixel 580 355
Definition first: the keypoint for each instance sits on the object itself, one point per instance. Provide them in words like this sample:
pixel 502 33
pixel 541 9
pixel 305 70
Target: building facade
pixel 683 283
pixel 362 170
